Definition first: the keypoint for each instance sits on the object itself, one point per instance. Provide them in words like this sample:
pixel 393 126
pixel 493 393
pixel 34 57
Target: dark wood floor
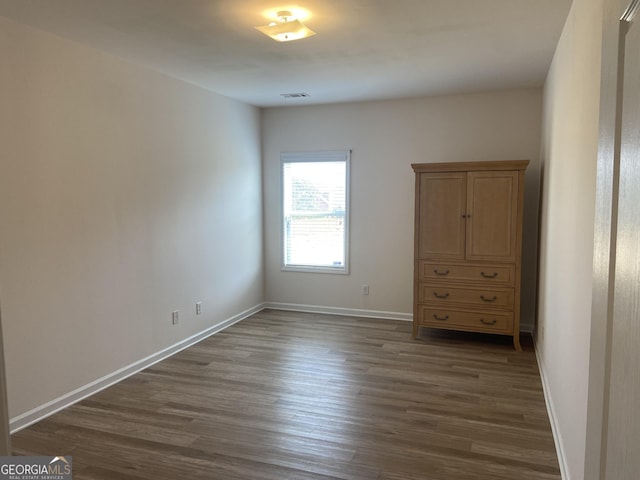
pixel 286 395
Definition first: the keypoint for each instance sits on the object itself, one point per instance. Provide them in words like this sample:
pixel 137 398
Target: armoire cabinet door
pixel 492 202
pixel 441 207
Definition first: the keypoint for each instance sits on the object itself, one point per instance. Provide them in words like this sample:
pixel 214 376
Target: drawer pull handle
pixel 442 319
pixel 442 274
pixel 437 295
pixel 487 275
pixel 486 322
pixel 485 299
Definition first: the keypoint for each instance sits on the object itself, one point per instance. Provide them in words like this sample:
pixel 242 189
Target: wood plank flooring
pixel 285 395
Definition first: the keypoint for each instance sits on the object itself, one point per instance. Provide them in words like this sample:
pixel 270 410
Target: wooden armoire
pixel 468 243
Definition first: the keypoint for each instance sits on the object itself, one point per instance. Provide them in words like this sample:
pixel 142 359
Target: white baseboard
pixel 557 437
pixel 351 312
pixel 49 408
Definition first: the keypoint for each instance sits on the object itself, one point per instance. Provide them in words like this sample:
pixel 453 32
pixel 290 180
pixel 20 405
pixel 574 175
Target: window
pixel 315 211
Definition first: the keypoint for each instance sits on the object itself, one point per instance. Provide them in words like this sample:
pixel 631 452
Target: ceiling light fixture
pixel 295 95
pixel 287 28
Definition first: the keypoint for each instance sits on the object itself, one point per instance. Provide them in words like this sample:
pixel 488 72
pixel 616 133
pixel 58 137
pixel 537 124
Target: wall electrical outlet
pixel 175 317
pixel 365 289
pixel 198 308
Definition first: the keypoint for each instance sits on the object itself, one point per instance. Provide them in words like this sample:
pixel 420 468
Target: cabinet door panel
pixel 492 206
pixel 440 222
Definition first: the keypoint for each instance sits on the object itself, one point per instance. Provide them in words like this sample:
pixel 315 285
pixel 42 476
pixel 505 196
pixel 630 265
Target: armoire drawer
pixel 484 274
pixel 438 294
pixel 480 321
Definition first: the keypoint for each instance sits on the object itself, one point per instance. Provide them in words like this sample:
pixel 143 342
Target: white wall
pixel 124 195
pixel 569 153
pixel 386 137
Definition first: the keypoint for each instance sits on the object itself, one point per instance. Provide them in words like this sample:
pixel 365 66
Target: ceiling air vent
pixel 295 95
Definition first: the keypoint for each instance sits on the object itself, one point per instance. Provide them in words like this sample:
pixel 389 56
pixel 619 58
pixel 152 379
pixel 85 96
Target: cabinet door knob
pixel 489 275
pixel 485 299
pixel 442 319
pixel 442 274
pixel 488 322
pixel 438 295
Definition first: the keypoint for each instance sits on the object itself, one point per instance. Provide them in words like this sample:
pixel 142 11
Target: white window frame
pixel 316 156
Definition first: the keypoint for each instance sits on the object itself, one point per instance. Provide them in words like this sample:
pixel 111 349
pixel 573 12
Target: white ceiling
pixel 363 50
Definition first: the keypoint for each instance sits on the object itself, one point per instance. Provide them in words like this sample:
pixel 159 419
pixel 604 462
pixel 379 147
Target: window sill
pixel 310 269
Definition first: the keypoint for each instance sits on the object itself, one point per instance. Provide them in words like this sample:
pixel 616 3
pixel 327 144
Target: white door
pixel 623 435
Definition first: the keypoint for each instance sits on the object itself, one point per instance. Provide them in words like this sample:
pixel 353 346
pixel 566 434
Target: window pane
pixel 315 240
pixel 314 213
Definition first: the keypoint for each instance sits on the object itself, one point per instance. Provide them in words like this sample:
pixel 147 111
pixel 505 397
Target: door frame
pixel 5 437
pixel 605 228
